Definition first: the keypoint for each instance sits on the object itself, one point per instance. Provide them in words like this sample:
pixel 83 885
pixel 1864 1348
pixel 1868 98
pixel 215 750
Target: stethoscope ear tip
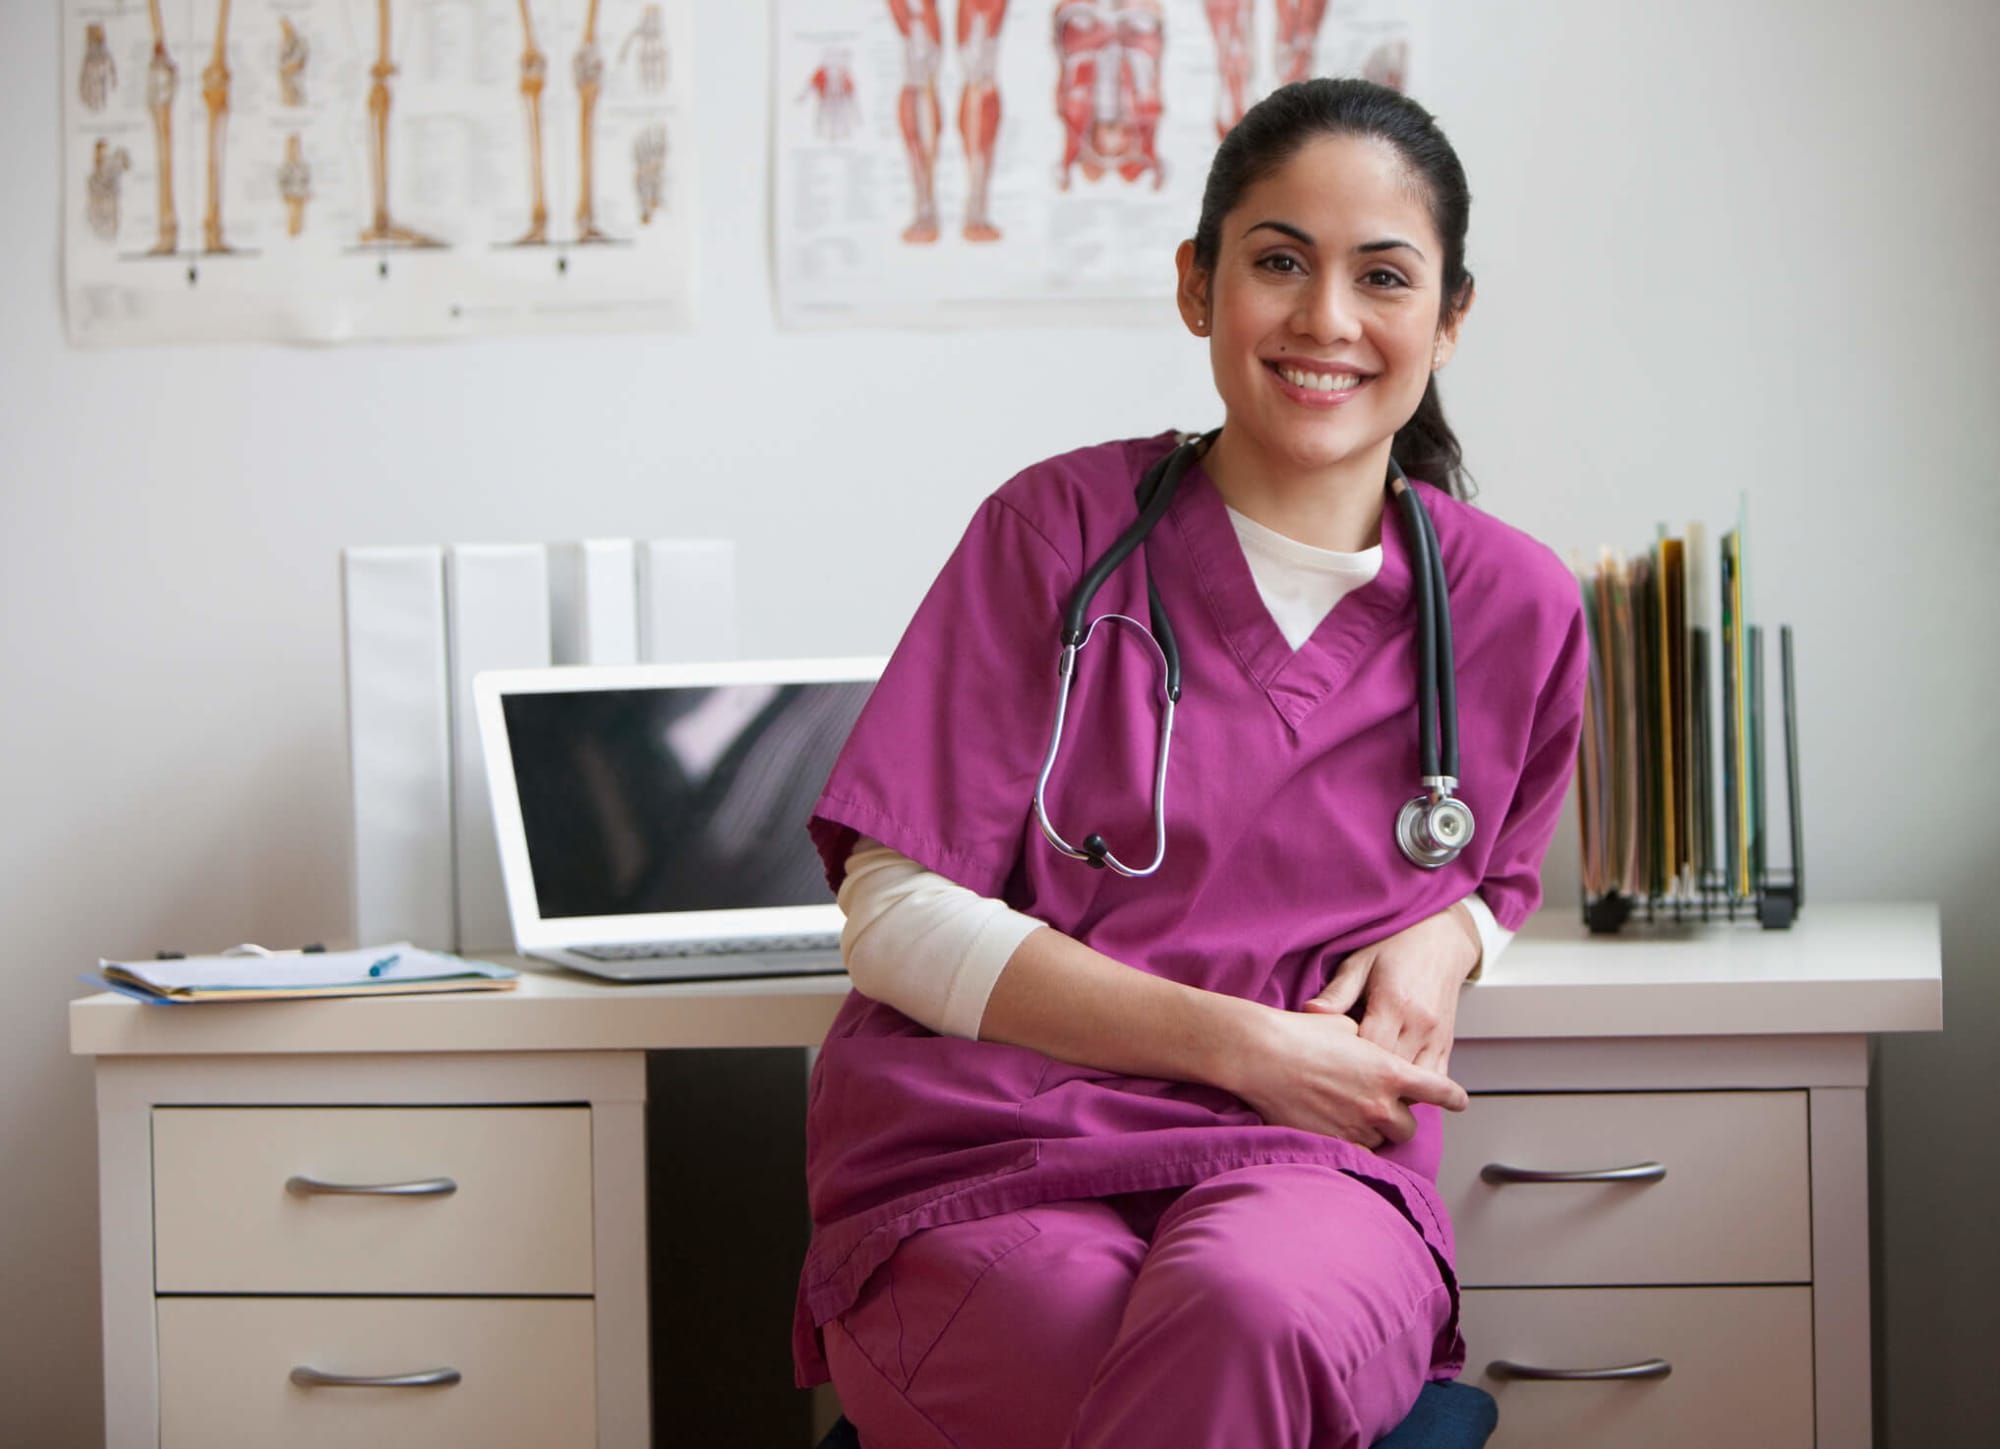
pixel 1096 847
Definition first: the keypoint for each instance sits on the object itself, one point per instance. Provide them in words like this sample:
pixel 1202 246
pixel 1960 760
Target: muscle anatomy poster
pixel 327 170
pixel 959 161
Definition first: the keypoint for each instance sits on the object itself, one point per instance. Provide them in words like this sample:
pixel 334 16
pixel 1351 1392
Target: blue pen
pixel 384 964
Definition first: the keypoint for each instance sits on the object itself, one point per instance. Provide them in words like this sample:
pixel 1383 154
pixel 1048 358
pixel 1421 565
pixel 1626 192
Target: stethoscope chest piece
pixel 1433 828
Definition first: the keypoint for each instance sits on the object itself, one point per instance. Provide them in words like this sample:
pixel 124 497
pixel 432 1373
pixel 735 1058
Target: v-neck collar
pixel 1295 681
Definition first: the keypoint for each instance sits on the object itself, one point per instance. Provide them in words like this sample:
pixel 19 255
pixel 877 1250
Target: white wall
pixel 1720 245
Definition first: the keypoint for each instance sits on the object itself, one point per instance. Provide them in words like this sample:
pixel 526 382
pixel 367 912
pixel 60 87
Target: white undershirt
pixel 933 949
pixel 1300 584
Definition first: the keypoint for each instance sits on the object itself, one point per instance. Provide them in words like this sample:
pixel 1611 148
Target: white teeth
pixel 1320 381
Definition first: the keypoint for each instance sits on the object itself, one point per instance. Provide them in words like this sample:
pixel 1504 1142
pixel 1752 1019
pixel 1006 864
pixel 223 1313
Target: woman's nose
pixel 1326 312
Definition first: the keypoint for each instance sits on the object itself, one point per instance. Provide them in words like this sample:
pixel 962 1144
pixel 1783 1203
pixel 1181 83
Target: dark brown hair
pixel 1277 128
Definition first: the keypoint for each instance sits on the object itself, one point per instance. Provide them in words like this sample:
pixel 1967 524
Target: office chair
pixel 1446 1416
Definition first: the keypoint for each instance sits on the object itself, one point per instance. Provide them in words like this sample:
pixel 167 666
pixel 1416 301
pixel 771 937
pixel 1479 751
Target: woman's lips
pixel 1317 387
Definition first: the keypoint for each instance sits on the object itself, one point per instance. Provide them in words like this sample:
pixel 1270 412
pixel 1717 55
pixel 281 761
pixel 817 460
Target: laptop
pixel 652 818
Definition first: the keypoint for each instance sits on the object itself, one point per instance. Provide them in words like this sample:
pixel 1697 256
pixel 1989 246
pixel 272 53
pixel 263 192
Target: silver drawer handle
pixel 1497 1172
pixel 313 1187
pixel 312 1378
pixel 1651 1368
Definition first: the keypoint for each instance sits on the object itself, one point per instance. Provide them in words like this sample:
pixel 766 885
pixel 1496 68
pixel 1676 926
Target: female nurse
pixel 1108 1161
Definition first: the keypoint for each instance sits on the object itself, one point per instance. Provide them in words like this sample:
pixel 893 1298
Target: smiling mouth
pixel 1312 381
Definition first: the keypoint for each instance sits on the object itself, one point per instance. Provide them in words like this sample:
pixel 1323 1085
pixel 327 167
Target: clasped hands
pixel 1322 1071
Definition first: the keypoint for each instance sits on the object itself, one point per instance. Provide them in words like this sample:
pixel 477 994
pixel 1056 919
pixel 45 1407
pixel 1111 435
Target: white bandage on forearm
pixel 923 944
pixel 1493 937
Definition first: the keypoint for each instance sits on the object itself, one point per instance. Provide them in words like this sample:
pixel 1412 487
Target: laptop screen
pixel 676 798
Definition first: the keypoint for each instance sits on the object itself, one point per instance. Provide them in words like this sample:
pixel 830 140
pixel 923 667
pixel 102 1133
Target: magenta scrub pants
pixel 1287 1306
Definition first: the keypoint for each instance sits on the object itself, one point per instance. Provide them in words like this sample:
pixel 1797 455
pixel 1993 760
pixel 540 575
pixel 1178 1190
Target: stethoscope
pixel 1431 829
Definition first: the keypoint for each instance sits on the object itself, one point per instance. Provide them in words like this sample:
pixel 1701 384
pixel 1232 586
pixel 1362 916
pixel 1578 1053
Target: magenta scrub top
pixel 1285 776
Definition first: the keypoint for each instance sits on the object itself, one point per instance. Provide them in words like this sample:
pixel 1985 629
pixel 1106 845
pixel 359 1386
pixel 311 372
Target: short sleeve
pixel 941 765
pixel 1512 886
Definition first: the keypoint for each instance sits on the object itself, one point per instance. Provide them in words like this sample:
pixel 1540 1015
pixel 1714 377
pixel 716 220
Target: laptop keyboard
pixel 737 946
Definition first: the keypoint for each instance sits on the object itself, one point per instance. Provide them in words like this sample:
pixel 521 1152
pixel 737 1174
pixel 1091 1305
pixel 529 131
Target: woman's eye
pixel 1281 263
pixel 1383 277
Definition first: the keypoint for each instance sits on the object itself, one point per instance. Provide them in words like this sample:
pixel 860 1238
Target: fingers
pixel 1405 1026
pixel 1395 1014
pixel 1383 1024
pixel 1418 1085
pixel 1360 1092
pixel 1349 978
pixel 1399 1124
pixel 1396 1086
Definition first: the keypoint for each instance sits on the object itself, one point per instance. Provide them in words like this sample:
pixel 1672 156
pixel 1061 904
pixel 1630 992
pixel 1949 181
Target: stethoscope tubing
pixel 1095 850
pixel 1437 685
pixel 1153 506
pixel 1437 691
pixel 1421 583
pixel 1156 494
pixel 1447 673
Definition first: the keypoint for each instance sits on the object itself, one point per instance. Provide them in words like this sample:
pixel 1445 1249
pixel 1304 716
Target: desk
pixel 1678 1037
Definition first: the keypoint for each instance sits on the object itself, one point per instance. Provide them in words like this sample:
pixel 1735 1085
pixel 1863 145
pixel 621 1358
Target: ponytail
pixel 1428 448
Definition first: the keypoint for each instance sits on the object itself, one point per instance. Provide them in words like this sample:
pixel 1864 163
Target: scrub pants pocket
pixel 905 1308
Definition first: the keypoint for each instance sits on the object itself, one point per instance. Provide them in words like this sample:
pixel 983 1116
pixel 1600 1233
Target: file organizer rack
pixel 1776 893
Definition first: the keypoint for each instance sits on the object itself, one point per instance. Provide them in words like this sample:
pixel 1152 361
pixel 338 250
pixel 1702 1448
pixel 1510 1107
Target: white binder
pixel 594 602
pixel 687 600
pixel 498 606
pixel 399 745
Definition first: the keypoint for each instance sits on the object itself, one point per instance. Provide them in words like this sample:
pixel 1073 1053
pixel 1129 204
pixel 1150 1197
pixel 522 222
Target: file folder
pixel 399 744
pixel 498 607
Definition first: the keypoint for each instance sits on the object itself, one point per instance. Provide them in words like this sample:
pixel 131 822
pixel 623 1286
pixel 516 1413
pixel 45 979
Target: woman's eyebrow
pixel 1302 238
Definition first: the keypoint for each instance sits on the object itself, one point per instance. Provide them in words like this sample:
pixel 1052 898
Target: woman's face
pixel 1322 312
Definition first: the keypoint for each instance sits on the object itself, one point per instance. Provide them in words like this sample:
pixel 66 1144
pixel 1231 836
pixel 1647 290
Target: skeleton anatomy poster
pixel 953 161
pixel 326 170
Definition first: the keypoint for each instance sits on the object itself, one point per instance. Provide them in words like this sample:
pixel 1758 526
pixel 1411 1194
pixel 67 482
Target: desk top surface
pixel 1841 970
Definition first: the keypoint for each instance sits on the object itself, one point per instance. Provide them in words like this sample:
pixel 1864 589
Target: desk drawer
pixel 517 1220
pixel 527 1375
pixel 1734 1206
pixel 1741 1361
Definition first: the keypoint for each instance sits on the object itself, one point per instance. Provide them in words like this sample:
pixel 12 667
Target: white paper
pixel 220 168
pixel 852 242
pixel 399 962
